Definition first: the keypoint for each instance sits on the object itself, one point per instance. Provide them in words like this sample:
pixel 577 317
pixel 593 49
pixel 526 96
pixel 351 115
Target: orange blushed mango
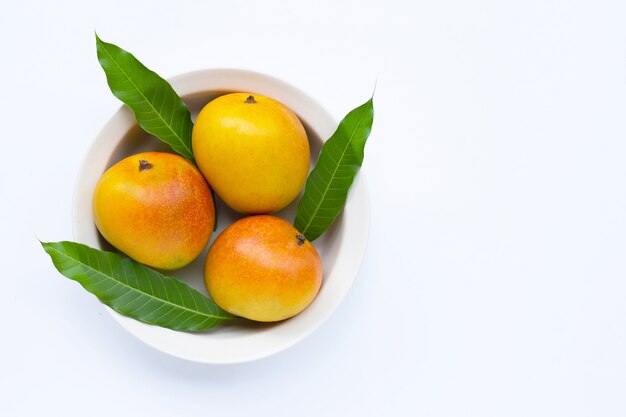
pixel 262 268
pixel 156 208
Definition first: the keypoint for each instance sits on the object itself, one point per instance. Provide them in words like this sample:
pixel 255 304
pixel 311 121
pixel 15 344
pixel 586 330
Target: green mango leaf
pixel 157 107
pixel 327 186
pixel 135 290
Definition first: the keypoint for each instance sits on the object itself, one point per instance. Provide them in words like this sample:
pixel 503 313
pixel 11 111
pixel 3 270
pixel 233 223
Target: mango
pixel 156 208
pixel 253 151
pixel 263 269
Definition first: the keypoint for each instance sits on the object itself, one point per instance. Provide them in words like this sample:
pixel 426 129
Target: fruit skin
pixel 262 268
pixel 161 215
pixel 253 151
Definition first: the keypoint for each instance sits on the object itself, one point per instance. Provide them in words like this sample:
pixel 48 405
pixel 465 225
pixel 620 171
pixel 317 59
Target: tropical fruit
pixel 156 208
pixel 263 269
pixel 252 150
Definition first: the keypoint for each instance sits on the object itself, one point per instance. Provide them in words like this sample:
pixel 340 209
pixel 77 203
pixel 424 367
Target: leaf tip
pixel 46 246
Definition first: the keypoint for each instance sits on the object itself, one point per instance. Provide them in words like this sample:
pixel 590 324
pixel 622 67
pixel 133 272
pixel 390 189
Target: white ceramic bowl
pixel 341 247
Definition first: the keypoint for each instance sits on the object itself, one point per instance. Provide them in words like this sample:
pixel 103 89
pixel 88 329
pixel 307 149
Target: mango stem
pixel 143 165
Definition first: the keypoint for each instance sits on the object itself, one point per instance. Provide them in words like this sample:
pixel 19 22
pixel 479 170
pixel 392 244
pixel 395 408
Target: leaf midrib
pixel 319 204
pixel 145 98
pixel 135 289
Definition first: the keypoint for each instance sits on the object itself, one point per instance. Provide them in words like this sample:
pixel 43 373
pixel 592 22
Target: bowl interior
pixel 241 340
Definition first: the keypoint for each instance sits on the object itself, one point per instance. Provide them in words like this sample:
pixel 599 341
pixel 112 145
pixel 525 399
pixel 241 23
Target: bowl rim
pixel 190 83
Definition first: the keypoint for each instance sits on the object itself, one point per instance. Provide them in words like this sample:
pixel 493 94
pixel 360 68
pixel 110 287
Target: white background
pixel 494 283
